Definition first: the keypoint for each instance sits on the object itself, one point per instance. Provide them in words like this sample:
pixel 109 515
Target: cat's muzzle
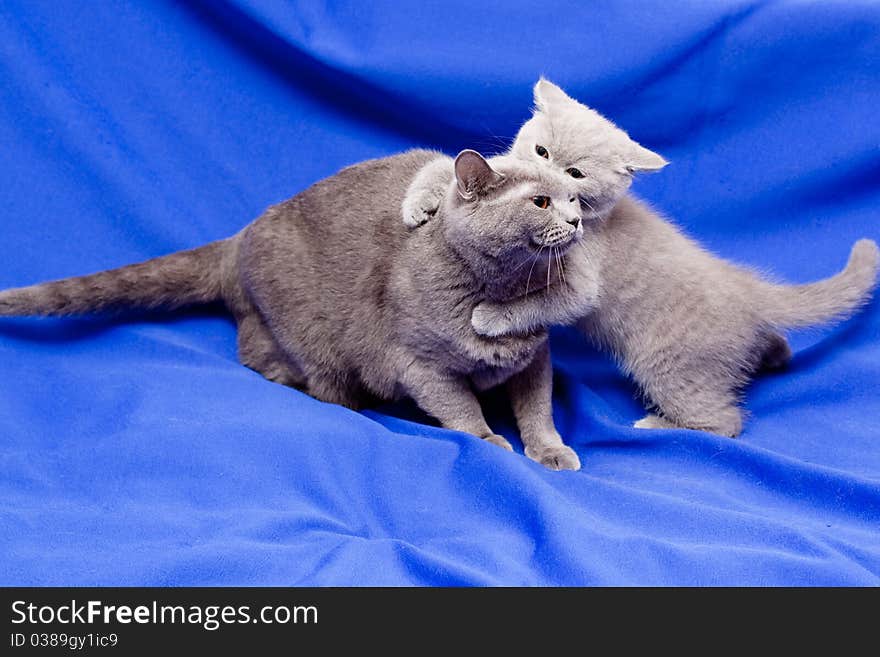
pixel 559 237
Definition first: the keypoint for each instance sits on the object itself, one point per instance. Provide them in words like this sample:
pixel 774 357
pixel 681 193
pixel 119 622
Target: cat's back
pixel 348 214
pixel 369 191
pixel 640 238
pixel 656 279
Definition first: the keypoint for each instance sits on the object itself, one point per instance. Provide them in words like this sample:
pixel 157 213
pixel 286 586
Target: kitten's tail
pixel 833 298
pixel 172 281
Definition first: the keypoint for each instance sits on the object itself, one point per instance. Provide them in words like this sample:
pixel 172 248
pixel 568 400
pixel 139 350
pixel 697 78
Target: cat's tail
pixel 180 279
pixel 836 297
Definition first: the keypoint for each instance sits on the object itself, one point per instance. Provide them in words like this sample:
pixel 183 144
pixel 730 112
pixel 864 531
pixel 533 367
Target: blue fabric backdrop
pixel 140 452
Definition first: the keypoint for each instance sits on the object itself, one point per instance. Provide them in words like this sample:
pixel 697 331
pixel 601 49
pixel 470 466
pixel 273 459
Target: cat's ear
pixel 548 95
pixel 640 158
pixel 474 175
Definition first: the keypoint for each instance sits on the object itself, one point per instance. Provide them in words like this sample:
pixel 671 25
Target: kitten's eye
pixel 542 202
pixel 540 150
pixel 574 173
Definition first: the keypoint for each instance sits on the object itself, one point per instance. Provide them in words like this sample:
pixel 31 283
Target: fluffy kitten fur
pixel 332 294
pixel 689 327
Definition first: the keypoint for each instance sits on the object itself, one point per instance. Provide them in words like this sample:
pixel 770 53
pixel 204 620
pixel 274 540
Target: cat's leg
pixel 775 352
pixel 426 191
pixel 261 351
pixel 258 350
pixel 335 390
pixel 531 394
pixel 450 400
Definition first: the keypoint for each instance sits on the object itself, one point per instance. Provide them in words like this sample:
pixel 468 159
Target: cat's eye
pixel 574 173
pixel 542 202
pixel 540 150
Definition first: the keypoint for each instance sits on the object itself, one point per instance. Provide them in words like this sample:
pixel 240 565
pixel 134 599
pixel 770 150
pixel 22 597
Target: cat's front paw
pixel 490 320
pixel 555 457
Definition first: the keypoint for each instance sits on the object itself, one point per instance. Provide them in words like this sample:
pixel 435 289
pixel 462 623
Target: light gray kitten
pixel 690 328
pixel 333 295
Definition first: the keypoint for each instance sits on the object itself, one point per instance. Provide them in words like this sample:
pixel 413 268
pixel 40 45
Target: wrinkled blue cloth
pixel 139 452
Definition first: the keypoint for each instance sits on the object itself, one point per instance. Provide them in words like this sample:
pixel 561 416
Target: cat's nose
pixel 574 221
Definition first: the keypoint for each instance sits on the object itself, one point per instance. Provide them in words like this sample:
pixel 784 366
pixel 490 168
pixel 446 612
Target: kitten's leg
pixel 706 403
pixel 652 421
pixel 258 350
pixel 776 352
pixel 559 305
pixel 684 403
pixel 531 394
pixel 425 192
pixel 573 296
pixel 451 401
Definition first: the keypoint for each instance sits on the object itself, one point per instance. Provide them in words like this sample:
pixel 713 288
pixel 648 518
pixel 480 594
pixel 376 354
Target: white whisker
pixel 532 268
pixel 560 264
pixel 549 268
pixel 587 203
pixel 520 265
pixel 556 261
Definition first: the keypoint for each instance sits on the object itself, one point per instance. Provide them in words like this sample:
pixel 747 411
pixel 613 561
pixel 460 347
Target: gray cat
pixel 690 328
pixel 334 296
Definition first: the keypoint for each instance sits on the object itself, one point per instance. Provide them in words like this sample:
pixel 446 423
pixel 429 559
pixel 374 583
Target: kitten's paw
pixel 490 320
pixel 419 208
pixel 555 457
pixel 727 424
pixel 501 441
pixel 653 422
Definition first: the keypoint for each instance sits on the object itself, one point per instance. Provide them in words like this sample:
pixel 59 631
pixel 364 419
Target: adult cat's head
pixel 579 141
pixel 509 208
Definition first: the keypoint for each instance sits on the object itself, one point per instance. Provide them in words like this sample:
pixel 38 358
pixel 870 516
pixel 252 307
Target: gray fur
pixel 333 295
pixel 689 327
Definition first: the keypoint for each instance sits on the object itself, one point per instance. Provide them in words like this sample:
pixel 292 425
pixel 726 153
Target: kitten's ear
pixel 474 175
pixel 548 94
pixel 641 159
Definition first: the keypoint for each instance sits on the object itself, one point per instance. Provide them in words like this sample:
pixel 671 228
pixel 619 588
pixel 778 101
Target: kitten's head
pixel 511 207
pixel 579 141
